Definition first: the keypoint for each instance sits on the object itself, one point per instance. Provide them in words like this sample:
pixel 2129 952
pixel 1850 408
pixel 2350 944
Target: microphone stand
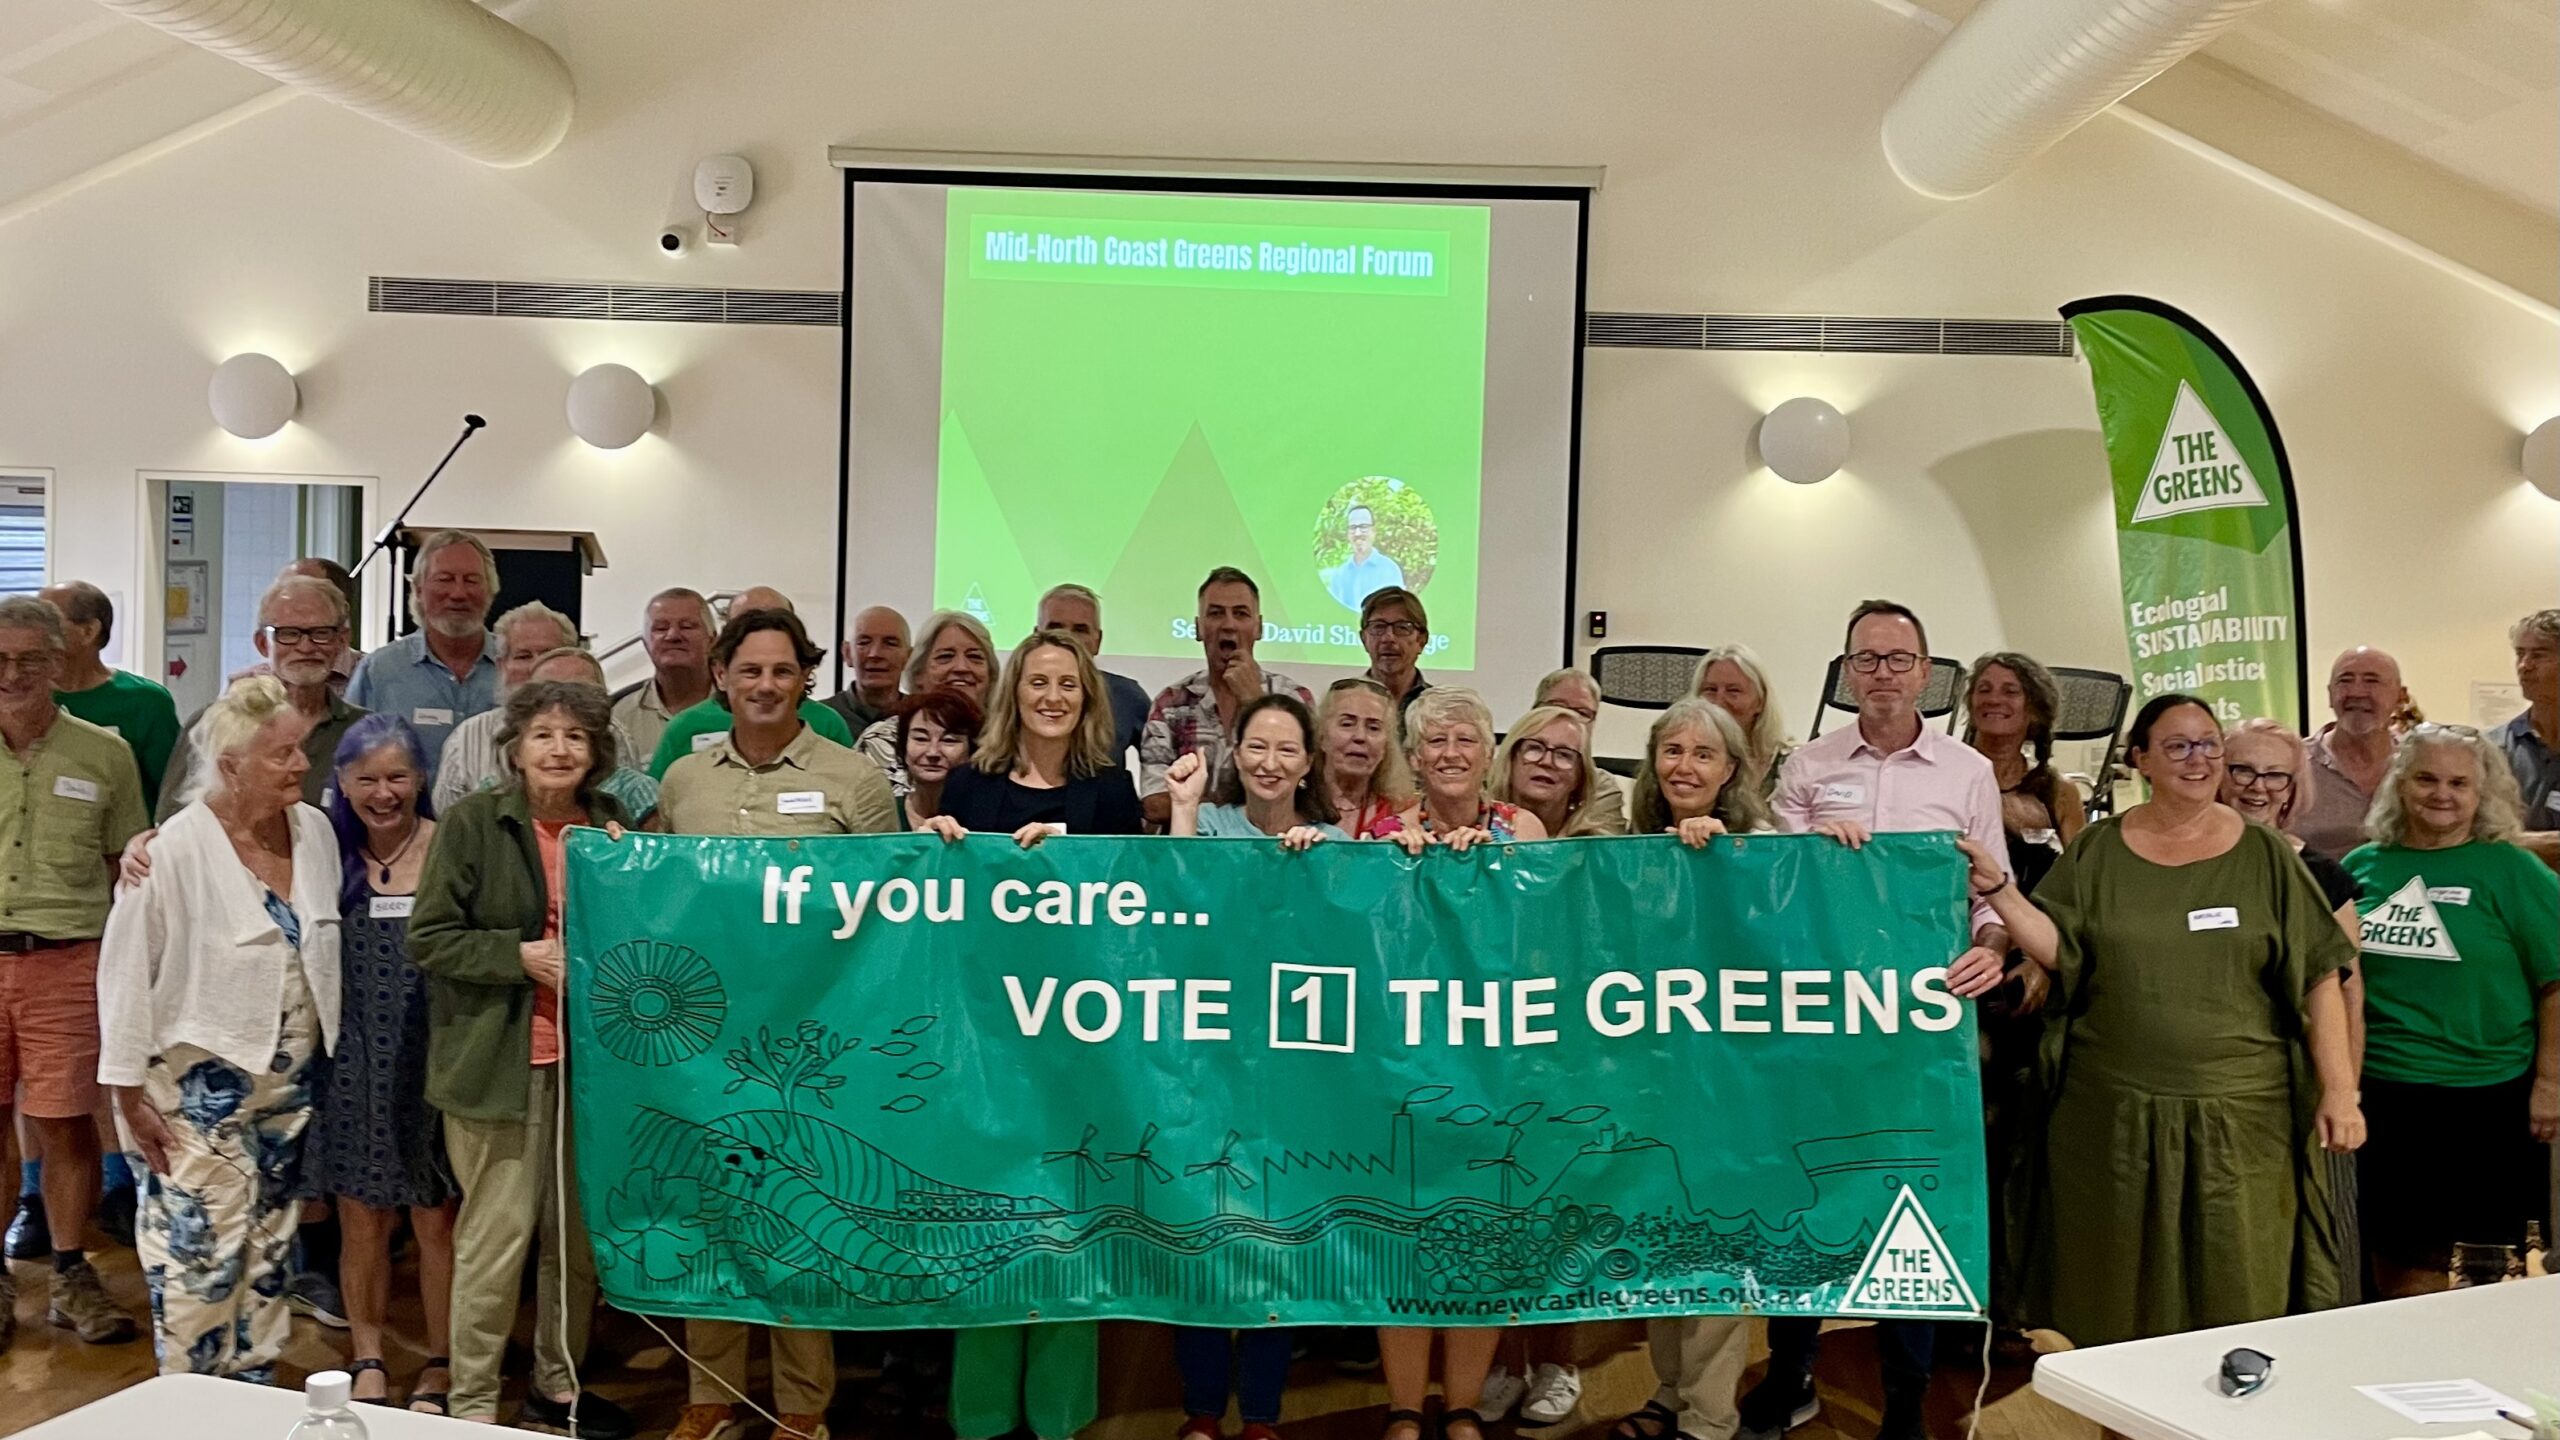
pixel 471 425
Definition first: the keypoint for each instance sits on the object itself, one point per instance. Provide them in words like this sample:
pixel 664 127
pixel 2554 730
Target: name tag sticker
pixel 2045 839
pixel 2449 894
pixel 1844 795
pixel 72 787
pixel 800 802
pixel 429 715
pixel 393 907
pixel 708 738
pixel 2219 917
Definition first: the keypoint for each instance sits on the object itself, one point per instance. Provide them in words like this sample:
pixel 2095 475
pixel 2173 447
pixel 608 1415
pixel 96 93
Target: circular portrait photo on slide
pixel 1375 532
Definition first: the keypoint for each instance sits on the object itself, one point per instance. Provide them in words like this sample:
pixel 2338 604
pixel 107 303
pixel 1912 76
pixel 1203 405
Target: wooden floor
pixel 48 1371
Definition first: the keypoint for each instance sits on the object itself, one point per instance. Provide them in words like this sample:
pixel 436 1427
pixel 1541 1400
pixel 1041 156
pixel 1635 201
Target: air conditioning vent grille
pixel 405 295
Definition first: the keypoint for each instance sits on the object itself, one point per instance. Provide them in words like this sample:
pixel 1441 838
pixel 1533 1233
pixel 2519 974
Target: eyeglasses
pixel 2275 782
pixel 1381 629
pixel 1899 662
pixel 33 663
pixel 1539 752
pixel 300 634
pixel 2178 748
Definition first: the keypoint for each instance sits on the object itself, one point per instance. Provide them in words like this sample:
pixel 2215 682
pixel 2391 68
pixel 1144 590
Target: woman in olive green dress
pixel 2194 1062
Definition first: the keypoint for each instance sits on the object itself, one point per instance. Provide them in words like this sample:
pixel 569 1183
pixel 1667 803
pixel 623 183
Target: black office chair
pixel 1645 677
pixel 2093 708
pixel 1938 697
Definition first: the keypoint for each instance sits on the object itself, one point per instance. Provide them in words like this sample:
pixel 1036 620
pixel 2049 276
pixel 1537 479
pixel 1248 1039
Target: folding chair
pixel 2093 708
pixel 1645 677
pixel 1938 697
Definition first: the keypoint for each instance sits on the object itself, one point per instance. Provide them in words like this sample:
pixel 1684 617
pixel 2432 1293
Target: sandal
pixel 432 1402
pixel 1399 1418
pixel 1461 1416
pixel 369 1364
pixel 1656 1421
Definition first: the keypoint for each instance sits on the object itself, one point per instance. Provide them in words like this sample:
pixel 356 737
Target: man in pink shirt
pixel 1889 772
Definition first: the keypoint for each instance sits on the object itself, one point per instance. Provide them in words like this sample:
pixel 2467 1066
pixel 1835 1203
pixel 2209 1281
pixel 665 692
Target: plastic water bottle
pixel 328 1416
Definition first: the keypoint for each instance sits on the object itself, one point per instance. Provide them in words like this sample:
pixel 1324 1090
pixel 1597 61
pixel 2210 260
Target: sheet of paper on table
pixel 2443 1402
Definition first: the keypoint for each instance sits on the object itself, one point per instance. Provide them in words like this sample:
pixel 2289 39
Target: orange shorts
pixel 49 1030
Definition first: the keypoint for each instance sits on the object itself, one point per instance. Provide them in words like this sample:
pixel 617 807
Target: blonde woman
pixel 2461 940
pixel 1733 677
pixel 1544 766
pixel 952 650
pixel 218 988
pixel 1044 766
pixel 1360 761
pixel 1449 739
pixel 1578 691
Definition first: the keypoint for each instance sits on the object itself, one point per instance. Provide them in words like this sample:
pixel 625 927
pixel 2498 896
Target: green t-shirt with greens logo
pixel 2459 944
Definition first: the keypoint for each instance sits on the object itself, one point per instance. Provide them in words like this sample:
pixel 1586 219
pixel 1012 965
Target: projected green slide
pixel 1137 387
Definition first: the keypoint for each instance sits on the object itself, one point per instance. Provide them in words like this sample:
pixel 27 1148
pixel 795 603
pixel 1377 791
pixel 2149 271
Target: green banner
pixel 2205 532
pixel 880 1081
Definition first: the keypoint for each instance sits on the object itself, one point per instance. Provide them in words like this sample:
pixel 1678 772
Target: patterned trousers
pixel 215 1234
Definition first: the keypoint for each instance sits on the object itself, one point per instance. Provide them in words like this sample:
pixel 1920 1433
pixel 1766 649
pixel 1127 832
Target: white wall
pixel 1743 175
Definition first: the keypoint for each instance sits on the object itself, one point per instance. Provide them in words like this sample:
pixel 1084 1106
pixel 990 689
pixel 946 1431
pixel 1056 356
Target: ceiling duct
pixel 2019 75
pixel 442 70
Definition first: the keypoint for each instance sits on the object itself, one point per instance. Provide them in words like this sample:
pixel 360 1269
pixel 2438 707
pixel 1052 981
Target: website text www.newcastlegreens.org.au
pixel 1616 1298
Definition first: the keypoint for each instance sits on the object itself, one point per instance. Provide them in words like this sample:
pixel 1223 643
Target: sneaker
pixel 708 1422
pixel 800 1427
pixel 80 1305
pixel 1501 1391
pixel 1777 1405
pixel 115 1214
pixel 8 1307
pixel 30 1238
pixel 1554 1391
pixel 598 1418
pixel 316 1295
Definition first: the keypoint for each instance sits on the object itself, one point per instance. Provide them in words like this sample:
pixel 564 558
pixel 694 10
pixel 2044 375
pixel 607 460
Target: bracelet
pixel 2004 884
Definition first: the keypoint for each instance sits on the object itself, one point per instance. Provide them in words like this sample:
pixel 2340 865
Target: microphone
pixel 471 425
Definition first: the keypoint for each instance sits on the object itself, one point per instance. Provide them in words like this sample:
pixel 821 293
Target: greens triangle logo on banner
pixel 2407 925
pixel 1909 1270
pixel 2197 467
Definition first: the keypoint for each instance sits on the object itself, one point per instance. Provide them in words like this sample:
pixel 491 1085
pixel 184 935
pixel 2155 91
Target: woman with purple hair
pixel 375 1144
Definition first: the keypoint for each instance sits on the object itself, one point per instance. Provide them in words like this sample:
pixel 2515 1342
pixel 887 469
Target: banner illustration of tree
pixel 879 1081
pixel 2206 539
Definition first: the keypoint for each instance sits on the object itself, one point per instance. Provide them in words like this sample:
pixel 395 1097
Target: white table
pixel 200 1407
pixel 2507 1337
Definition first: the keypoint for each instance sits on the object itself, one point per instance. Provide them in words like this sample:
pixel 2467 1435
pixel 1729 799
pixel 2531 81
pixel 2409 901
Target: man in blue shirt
pixel 2532 739
pixel 1078 611
pixel 446 671
pixel 1369 569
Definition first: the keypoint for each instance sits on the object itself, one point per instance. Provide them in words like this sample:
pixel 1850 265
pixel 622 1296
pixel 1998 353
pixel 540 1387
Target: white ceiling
pixel 2471 86
pixel 82 88
pixel 2468 88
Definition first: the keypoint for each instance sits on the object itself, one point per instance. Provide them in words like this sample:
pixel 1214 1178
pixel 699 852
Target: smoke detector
pixel 724 184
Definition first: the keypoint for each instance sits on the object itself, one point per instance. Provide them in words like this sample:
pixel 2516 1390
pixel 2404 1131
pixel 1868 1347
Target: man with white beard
pixel 2351 752
pixel 446 671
